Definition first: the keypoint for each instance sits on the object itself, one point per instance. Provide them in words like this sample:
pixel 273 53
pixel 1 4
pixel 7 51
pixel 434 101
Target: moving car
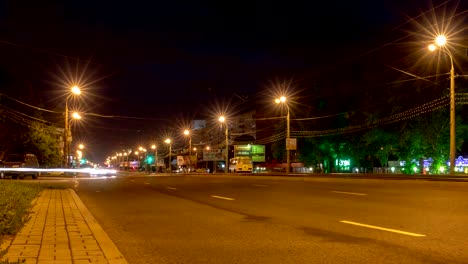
pixel 22 165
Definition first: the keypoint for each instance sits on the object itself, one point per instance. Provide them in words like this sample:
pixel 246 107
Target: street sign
pixel 291 144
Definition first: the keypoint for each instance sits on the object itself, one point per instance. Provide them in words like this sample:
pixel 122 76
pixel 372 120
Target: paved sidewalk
pixel 61 230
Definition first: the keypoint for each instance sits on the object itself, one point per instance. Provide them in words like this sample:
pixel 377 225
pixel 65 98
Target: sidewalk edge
pixel 108 247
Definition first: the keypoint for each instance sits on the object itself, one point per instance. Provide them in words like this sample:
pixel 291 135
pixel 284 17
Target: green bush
pixel 15 202
pixel 19 261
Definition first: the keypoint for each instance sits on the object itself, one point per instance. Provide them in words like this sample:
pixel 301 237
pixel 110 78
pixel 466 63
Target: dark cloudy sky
pixel 161 59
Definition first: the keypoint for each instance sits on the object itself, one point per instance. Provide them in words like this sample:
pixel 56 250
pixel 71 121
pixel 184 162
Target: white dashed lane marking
pixel 171 188
pixel 383 228
pixel 352 193
pixel 224 198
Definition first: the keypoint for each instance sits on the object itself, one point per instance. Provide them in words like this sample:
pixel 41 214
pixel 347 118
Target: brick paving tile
pixel 58 233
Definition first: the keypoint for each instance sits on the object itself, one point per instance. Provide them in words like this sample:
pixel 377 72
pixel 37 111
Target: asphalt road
pixel 249 219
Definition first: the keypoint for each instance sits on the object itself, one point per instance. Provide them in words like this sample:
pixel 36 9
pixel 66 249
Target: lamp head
pixel 441 40
pixel 76 90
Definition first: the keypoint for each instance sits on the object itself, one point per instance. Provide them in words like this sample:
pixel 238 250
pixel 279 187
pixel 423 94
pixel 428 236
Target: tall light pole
pixel 440 44
pixel 79 153
pixel 155 149
pixel 75 90
pixel 282 100
pixel 137 154
pixel 125 160
pixel 196 158
pixel 187 133
pixel 223 120
pixel 168 141
pixel 207 149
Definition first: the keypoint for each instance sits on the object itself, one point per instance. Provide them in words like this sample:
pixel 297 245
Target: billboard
pixel 185 160
pixel 214 155
pixel 255 152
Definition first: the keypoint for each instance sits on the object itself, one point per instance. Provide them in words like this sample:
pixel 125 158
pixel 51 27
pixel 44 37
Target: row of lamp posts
pixel 440 44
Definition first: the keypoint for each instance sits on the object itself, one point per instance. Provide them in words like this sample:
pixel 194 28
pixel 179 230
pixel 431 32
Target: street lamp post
pixel 137 154
pixel 155 149
pixel 125 160
pixel 280 100
pixel 207 149
pixel 187 133
pixel 79 153
pixel 168 141
pixel 196 158
pixel 142 150
pixel 75 90
pixel 222 119
pixel 440 43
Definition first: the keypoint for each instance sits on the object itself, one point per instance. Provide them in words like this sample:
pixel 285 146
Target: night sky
pixel 166 60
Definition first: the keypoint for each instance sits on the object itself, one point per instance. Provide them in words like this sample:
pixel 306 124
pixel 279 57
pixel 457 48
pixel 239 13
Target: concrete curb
pixel 108 247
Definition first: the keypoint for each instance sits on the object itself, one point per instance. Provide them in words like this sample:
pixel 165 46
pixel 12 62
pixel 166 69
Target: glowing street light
pixel 168 141
pixel 75 90
pixel 81 146
pixel 440 44
pixel 76 116
pixel 282 100
pixel 222 119
pixel 441 40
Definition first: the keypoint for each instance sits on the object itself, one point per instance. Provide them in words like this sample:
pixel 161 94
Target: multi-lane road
pixel 261 219
pixel 250 219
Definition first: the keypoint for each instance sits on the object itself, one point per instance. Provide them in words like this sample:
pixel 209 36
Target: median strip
pixel 221 197
pixel 383 228
pixel 352 193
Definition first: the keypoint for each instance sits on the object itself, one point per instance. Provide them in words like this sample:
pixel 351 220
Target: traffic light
pixel 149 159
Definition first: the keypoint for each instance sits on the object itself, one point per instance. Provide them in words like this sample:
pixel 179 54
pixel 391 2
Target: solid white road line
pixel 362 194
pixel 147 183
pixel 260 185
pixel 383 228
pixel 171 188
pixel 221 197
